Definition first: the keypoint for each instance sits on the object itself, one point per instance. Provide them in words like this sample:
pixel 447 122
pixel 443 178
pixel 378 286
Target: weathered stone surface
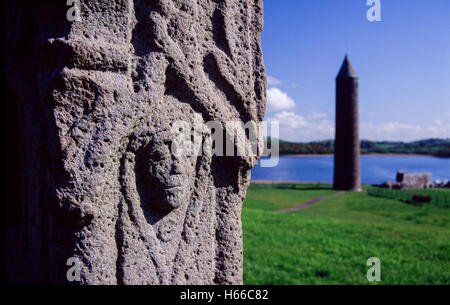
pixel 91 105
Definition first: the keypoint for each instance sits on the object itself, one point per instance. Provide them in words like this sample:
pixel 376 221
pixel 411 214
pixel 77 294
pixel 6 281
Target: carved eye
pixel 156 155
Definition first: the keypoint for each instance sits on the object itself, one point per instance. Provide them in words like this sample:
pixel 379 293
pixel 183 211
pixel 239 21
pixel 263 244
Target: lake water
pixel 374 169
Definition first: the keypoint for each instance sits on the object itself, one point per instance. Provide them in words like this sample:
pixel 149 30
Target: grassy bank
pixel 437 197
pixel 330 242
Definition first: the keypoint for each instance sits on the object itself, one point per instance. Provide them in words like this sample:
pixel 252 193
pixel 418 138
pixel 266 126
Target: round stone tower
pixel 347 175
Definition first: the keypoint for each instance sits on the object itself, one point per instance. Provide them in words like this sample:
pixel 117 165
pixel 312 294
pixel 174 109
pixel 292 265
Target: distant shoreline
pixel 285 182
pixel 429 147
pixel 371 154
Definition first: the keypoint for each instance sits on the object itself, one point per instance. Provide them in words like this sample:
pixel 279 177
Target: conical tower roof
pixel 347 69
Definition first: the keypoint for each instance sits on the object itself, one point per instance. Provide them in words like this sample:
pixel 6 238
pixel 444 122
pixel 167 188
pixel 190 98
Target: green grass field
pixel 330 242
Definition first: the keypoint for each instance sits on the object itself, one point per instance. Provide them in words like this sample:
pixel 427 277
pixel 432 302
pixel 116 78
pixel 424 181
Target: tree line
pixel 434 147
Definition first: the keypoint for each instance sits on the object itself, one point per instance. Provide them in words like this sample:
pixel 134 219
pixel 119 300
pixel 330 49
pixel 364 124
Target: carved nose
pixel 177 168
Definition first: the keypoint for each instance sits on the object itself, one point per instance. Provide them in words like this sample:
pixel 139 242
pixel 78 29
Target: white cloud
pixel 279 100
pixel 272 81
pixel 395 131
pixel 317 116
pixel 290 119
pixel 297 128
pixel 294 127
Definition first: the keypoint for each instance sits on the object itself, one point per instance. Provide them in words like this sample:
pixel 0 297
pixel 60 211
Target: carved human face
pixel 171 176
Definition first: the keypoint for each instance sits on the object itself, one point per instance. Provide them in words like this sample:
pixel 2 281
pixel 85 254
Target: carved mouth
pixel 174 182
pixel 174 189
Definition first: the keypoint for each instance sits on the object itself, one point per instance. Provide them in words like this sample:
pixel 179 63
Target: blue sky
pixel 403 64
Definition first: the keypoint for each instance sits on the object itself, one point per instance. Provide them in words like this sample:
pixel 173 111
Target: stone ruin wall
pixel 414 180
